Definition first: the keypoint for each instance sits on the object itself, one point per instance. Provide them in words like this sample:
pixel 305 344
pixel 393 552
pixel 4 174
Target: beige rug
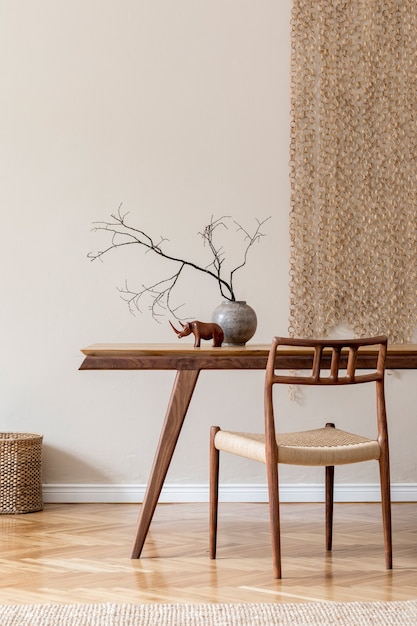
pixel 315 614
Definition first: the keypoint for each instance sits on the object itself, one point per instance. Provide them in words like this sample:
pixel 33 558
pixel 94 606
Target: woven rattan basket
pixel 20 473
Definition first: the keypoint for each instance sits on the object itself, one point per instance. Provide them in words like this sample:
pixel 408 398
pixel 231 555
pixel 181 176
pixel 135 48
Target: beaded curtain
pixel 353 167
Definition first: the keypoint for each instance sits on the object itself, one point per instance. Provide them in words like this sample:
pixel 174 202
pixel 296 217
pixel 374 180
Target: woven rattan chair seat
pixel 322 446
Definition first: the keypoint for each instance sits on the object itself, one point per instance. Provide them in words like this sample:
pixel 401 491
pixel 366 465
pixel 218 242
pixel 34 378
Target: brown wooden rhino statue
pixel 201 330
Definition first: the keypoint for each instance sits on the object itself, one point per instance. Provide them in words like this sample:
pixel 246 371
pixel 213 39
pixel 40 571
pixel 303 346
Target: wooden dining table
pixel 188 362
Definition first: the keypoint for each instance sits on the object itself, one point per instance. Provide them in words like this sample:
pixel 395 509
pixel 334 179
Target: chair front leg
pixel 214 491
pixel 274 515
pixel 386 508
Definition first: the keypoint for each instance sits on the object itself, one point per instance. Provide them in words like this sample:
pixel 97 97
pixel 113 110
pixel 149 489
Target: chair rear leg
pixel 214 491
pixel 329 485
pixel 329 505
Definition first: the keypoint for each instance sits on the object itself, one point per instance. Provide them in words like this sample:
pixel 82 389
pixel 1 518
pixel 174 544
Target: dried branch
pixel 123 234
pixel 161 297
pixel 251 239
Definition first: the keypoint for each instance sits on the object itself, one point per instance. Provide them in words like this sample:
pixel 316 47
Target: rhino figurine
pixel 201 330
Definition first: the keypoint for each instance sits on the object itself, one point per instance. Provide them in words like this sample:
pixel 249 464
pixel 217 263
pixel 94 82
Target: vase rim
pixel 234 301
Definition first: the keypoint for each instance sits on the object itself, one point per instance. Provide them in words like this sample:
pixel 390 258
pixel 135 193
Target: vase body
pixel 238 321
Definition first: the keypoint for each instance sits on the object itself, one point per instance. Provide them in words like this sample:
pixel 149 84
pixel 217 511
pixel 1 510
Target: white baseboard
pixel 400 492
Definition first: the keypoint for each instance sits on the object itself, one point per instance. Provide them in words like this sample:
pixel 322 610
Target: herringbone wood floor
pixel 80 553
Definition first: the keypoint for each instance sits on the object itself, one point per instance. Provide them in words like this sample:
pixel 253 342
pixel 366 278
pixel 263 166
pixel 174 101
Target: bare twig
pixel 123 234
pixel 251 239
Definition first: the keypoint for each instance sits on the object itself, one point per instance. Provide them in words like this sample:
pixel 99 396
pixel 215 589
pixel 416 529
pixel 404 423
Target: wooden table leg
pixel 179 401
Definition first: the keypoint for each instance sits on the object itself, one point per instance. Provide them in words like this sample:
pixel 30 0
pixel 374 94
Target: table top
pixel 163 349
pixel 182 356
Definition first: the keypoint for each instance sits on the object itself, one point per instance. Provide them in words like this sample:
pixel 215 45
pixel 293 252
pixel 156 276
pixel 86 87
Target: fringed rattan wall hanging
pixel 353 222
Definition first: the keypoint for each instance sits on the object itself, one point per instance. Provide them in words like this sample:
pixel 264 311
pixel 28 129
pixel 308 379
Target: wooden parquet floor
pixel 80 553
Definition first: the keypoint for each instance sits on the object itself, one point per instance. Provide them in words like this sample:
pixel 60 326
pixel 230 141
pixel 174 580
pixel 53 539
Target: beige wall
pixel 180 110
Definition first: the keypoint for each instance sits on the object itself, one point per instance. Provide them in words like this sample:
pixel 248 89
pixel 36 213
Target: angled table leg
pixel 179 401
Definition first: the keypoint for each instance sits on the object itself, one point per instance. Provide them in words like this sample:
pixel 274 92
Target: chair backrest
pixel 327 361
pixel 331 362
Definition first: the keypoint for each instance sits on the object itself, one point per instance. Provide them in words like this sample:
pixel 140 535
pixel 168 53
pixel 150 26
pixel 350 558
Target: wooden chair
pixel 326 446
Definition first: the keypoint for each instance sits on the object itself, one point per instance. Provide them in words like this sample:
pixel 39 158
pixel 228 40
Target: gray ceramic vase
pixel 238 321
